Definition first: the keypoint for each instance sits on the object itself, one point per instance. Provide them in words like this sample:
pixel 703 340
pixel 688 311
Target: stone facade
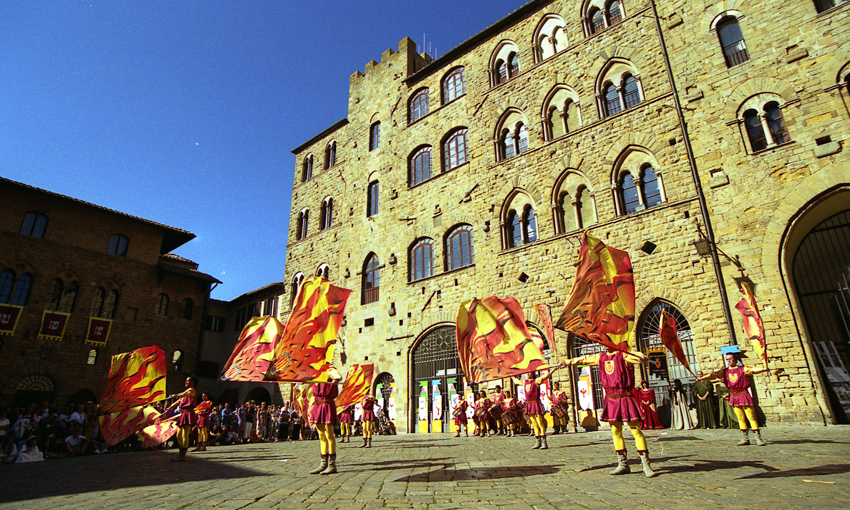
pixel 752 198
pixel 73 249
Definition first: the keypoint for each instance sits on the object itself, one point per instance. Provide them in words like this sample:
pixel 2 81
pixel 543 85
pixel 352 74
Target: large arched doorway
pixel 385 393
pixel 34 389
pixel 437 375
pixel 665 367
pixel 820 275
pixel 259 395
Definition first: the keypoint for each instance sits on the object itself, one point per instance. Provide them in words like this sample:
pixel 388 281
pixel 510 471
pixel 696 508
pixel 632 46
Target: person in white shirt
pixel 4 425
pixel 30 453
pixel 78 417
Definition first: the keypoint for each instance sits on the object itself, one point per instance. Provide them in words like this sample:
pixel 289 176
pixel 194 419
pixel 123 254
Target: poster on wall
pixel 358 412
pixel 437 407
pixel 470 403
pixel 423 403
pixel 544 396
pixel 585 389
pixel 391 404
pixel 658 364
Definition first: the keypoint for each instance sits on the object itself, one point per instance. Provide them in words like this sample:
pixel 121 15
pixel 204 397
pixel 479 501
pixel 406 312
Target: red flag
pixel 357 384
pixel 545 313
pixel 118 426
pixel 670 337
pixel 601 306
pixel 254 352
pixel 135 378
pixel 753 325
pixel 493 340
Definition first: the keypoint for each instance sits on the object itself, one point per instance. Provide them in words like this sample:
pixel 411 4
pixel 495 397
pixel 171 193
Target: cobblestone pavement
pixel 800 468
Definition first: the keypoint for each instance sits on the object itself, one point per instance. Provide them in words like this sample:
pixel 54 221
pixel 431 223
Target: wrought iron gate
pixel 435 366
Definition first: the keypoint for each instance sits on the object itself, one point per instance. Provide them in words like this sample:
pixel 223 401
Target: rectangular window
pixel 214 323
pixel 372 199
pixel 375 136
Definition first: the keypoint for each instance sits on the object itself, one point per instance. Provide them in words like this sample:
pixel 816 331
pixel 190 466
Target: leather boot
pixel 557 430
pixel 365 440
pixel 181 455
pixel 746 440
pixel 622 464
pixel 322 465
pixel 644 460
pixel 759 441
pixel 458 433
pixel 204 448
pixel 539 444
pixel 370 442
pixel 545 444
pixel 466 431
pixel 331 463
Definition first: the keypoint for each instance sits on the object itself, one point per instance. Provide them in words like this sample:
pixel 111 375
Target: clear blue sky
pixel 184 112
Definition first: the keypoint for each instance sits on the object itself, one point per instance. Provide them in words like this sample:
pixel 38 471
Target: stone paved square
pixel 801 467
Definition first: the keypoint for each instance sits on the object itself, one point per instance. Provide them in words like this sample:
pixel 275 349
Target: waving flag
pixel 493 340
pixel 545 313
pixel 135 378
pixel 160 431
pixel 357 384
pixel 302 401
pixel 670 337
pixel 252 358
pixel 753 325
pixel 306 347
pixel 601 306
pixel 118 426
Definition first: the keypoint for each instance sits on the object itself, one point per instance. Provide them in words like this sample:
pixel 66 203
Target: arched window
pixel 188 308
pixel 418 106
pixel 612 100
pixel 501 72
pixel 584 208
pixel 327 214
pixel 508 148
pixel 513 64
pixel 371 279
pixel 515 233
pixel 649 339
pixel 522 139
pixel 421 260
pixel 454 85
pixel 455 151
pixel 614 14
pixel 572 119
pixel 330 155
pixel 92 357
pixel 372 199
pixel 597 20
pixel 529 224
pixel 97 302
pixel 732 42
pixel 69 298
pixel 110 305
pixel 303 223
pixel 555 123
pixel 161 305
pixel 649 187
pixel 22 290
pixel 177 360
pixel 297 280
pixel 755 131
pixel 324 271
pixel 7 283
pixel 374 136
pixel 631 93
pixel 307 168
pixel 629 194
pixel 459 249
pixel 54 295
pixel 775 123
pixel 34 224
pixel 117 245
pixel 419 166
pixel 568 213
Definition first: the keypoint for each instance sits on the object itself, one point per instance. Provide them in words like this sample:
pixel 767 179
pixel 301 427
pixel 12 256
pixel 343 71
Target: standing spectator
pixel 283 419
pixel 706 412
pixel 78 417
pixel 30 453
pixel 227 416
pixel 241 422
pixel 274 424
pixel 681 409
pixel 5 426
pixel 296 425
pixel 215 418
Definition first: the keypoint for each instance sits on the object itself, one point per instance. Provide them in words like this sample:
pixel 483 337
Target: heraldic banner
pixel 753 325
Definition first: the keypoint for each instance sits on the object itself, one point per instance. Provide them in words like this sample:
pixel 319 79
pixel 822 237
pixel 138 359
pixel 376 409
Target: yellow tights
pixel 183 436
pixel 327 439
pixel 203 436
pixel 367 429
pixel 538 422
pixel 744 414
pixel 345 429
pixel 620 443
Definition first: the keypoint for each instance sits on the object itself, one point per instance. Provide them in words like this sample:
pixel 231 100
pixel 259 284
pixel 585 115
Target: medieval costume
pixel 617 375
pixel 346 417
pixel 706 413
pixel 736 378
pixel 646 402
pixel 185 403
pixel 323 417
pixel 680 408
pixel 203 412
pixel 510 409
pixel 459 413
pixel 368 419
pixel 559 398
pixel 498 398
pixel 482 406
pixel 534 410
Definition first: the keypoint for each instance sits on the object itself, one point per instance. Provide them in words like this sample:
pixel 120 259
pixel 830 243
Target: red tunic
pixel 645 400
pixel 323 409
pixel 498 398
pixel 738 383
pixel 618 380
pixel 203 411
pixel 461 419
pixel 346 415
pixel 368 406
pixel 186 407
pixel 483 403
pixel 532 398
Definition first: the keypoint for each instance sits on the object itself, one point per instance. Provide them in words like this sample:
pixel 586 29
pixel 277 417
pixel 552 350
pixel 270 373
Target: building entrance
pixel 436 377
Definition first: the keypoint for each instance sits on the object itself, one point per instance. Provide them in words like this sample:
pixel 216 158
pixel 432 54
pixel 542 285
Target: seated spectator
pixel 228 436
pixel 30 452
pixel 56 448
pixel 214 436
pixel 77 444
pixel 5 426
pixel 8 450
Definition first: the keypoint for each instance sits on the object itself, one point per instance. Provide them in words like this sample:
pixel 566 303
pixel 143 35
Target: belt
pixel 736 393
pixel 323 400
pixel 619 395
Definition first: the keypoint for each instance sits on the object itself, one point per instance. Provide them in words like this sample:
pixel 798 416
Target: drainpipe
pixel 718 272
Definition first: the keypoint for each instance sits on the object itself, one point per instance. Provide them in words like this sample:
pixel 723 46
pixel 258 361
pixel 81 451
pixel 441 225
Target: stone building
pixel 704 139
pixel 80 283
pixel 222 326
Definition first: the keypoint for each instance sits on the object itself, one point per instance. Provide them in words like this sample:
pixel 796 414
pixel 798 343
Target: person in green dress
pixel 704 391
pixel 728 420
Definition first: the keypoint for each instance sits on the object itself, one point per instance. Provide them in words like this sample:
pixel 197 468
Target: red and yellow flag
pixel 306 347
pixel 159 432
pixel 753 325
pixel 302 401
pixel 254 353
pixel 118 426
pixel 545 313
pixel 357 384
pixel 493 340
pixel 601 306
pixel 135 378
pixel 670 337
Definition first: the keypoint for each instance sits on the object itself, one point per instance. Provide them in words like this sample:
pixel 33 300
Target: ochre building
pixel 705 139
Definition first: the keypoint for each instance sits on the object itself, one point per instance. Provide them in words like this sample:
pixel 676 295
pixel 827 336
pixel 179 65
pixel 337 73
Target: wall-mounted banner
pixel 98 331
pixel 423 401
pixel 437 407
pixel 53 325
pixel 658 364
pixel 9 315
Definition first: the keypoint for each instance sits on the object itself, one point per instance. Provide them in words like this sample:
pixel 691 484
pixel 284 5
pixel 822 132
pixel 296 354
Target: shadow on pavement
pixel 806 441
pixel 664 439
pixel 828 469
pixel 703 466
pixel 400 463
pixel 80 475
pixel 453 475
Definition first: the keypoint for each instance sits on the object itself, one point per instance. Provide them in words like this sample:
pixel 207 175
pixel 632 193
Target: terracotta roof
pixel 190 273
pixel 172 237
